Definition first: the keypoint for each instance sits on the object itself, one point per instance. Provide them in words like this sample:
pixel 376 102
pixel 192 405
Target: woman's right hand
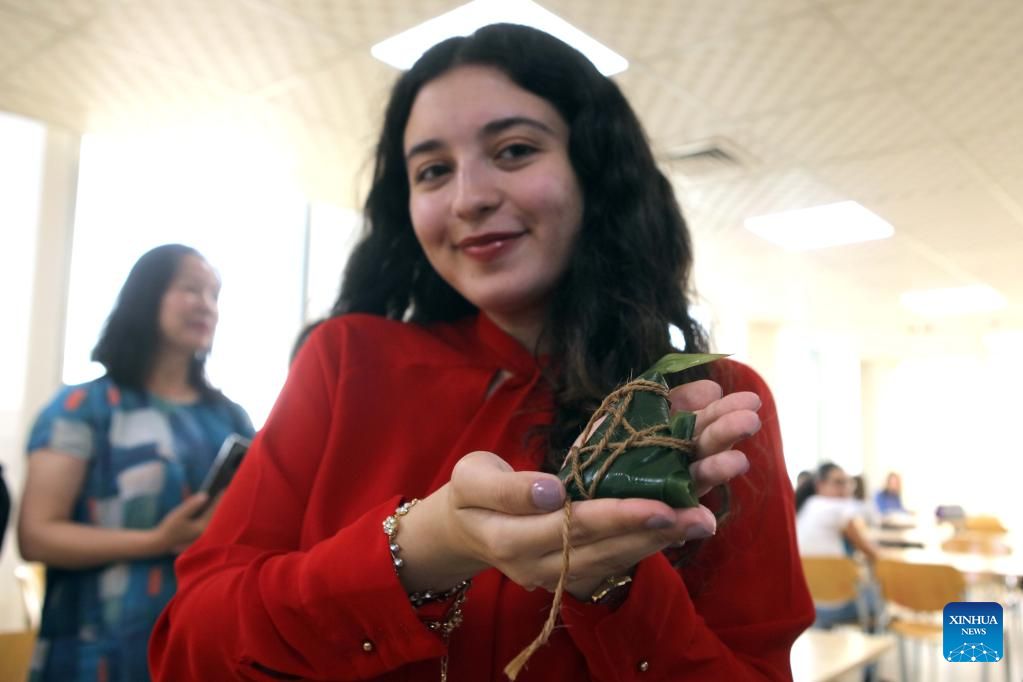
pixel 514 522
pixel 181 527
pixel 489 515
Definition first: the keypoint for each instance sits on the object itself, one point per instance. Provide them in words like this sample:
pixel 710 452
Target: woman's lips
pixel 487 247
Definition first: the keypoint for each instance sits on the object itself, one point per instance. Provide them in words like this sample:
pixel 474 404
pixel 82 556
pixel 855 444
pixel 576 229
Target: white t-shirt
pixel 820 522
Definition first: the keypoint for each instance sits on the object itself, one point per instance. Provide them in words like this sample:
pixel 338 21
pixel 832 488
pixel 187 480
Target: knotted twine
pixel 580 458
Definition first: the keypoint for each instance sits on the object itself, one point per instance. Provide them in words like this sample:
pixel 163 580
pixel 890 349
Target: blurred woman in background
pixel 830 523
pixel 114 469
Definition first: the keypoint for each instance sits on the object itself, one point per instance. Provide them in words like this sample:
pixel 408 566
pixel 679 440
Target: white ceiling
pixel 914 108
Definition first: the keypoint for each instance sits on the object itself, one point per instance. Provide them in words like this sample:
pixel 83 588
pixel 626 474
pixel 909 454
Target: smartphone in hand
pixel 228 459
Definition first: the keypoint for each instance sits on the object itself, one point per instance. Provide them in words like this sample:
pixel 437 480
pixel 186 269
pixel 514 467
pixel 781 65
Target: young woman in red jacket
pixel 523 257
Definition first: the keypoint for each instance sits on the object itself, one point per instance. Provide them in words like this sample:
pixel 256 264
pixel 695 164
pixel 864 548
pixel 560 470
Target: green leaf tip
pixel 677 362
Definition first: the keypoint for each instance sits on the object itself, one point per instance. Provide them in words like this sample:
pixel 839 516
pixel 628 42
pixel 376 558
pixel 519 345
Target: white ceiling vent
pixel 708 159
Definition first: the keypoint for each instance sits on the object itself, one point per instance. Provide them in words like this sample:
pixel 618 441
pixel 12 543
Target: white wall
pixel 948 423
pixel 38 173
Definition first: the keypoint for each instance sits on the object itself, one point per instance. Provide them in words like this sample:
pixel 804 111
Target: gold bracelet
pixel 426 596
pixel 453 618
pixel 610 588
pixel 391 531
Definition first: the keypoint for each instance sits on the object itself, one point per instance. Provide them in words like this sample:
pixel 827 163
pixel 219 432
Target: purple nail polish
pixel 547 494
pixel 659 522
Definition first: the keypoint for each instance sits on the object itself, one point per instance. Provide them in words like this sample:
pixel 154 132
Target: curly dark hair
pixel 130 338
pixel 627 278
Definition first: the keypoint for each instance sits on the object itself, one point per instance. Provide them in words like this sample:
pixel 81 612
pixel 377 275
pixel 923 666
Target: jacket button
pixel 642 666
pixel 367 646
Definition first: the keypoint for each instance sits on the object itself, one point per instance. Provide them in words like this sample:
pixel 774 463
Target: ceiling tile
pixel 240 44
pixel 971 99
pixel 670 115
pixel 999 152
pixel 638 30
pixel 777 66
pixel 59 12
pixel 114 87
pixel 722 206
pixel 859 125
pixel 364 23
pixel 20 36
pixel 914 37
pixel 919 172
pixel 33 105
pixel 951 223
pixel 349 95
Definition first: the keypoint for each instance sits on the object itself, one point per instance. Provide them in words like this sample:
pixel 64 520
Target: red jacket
pixel 293 578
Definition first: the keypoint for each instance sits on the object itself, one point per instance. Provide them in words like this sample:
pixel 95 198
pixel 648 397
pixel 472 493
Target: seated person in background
pixel 859 488
pixel 826 517
pixel 803 476
pixel 113 471
pixel 889 500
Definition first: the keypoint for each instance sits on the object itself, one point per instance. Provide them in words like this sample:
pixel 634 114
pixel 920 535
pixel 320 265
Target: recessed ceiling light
pixel 818 227
pixel 977 298
pixel 404 49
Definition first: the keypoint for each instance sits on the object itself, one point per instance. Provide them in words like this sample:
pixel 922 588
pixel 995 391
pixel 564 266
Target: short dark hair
pixel 808 488
pixel 130 338
pixel 627 279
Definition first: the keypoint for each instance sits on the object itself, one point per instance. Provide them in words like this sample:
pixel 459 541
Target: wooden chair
pixel 834 580
pixel 984 524
pixel 920 591
pixel 16 655
pixel 987 544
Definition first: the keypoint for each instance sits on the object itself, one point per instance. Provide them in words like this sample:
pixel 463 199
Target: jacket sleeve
pixel 738 603
pixel 254 602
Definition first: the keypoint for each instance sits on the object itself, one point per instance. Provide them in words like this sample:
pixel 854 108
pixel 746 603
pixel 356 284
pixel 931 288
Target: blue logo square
pixel 973 632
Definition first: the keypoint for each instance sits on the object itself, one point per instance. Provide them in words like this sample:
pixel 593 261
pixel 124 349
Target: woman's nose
pixel 209 303
pixel 477 193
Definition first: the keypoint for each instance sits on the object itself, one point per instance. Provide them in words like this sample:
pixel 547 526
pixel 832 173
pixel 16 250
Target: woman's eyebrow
pixel 423 147
pixel 502 124
pixel 492 128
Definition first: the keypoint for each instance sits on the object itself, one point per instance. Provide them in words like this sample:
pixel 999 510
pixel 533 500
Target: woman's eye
pixel 516 151
pixel 431 172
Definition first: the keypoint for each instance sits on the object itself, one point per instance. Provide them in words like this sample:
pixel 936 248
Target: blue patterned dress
pixel 145 455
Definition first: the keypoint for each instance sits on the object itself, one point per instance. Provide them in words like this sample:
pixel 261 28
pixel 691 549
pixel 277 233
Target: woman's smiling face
pixel 493 197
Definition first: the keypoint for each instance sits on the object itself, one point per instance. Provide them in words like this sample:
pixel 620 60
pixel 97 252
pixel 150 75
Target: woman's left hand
pixel 721 421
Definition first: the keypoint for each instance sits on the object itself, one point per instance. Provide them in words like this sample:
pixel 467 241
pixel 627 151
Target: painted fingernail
pixel 659 522
pixel 698 532
pixel 547 494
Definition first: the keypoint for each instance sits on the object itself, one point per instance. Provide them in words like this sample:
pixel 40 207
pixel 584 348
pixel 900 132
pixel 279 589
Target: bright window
pixel 230 196
pixel 21 160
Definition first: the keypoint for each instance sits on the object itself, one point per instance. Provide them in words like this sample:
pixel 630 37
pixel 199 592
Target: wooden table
pixel 1010 566
pixel 908 537
pixel 824 655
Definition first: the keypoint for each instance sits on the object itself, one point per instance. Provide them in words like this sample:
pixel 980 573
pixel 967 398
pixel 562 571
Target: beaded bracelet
pixel 426 596
pixel 391 530
pixel 453 617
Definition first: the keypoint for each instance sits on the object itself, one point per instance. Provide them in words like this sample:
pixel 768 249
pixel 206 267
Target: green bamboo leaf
pixel 676 362
pixel 683 424
pixel 651 472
